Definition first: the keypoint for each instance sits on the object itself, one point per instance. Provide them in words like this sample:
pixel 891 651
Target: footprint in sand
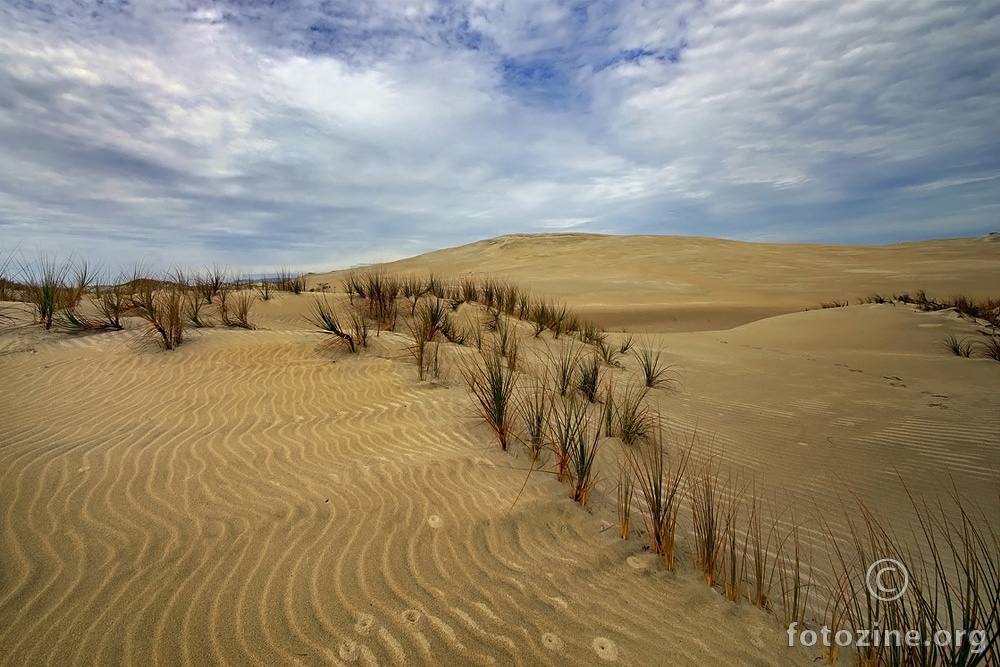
pixel 434 521
pixel 411 616
pixel 364 624
pixel 605 649
pixel 348 650
pixel 636 563
pixel 552 642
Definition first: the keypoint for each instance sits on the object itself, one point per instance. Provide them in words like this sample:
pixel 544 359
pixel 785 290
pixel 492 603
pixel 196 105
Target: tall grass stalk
pixel 626 489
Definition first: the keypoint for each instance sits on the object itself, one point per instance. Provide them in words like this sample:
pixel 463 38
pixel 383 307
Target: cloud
pixel 325 133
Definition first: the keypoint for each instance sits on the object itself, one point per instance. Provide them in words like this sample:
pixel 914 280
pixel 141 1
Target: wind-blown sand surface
pixel 245 499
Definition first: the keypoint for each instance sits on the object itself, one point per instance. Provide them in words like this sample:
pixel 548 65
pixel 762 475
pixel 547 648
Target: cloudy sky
pixel 325 133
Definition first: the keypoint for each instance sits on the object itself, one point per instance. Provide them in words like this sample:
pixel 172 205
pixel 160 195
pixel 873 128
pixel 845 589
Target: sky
pixel 323 134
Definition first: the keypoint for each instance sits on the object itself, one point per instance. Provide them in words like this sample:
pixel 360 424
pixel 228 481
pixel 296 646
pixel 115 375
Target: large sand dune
pixel 244 499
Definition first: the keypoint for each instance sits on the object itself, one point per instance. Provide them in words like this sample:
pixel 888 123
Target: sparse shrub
pixel 834 304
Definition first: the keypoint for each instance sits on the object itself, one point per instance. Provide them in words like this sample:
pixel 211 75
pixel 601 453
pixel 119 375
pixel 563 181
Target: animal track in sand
pixel 605 649
pixel 434 521
pixel 552 642
pixel 411 616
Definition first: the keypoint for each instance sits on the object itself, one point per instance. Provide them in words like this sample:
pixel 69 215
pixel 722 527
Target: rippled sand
pixel 247 500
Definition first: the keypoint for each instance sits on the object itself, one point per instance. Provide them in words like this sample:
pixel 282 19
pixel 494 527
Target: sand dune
pixel 669 283
pixel 252 498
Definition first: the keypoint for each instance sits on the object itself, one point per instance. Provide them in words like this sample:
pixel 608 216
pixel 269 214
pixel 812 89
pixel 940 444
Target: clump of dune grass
pixel 793 577
pixel 323 315
pixel 46 284
pixel 114 299
pixel 959 347
pixel 161 304
pixel 761 539
pixel 582 456
pixel 875 298
pixel 834 304
pixel 265 288
pixel 564 367
pixel 535 407
pixel 654 371
pixel 567 428
pixel 708 514
pixel 6 284
pixel 381 290
pixel 989 348
pixel 242 305
pixel 492 381
pixel 432 319
pixel 733 570
pixel 632 417
pixel 288 281
pixel 660 485
pixel 504 335
pixel 949 582
pixel 609 353
pixel 591 334
pixel 210 282
pixel 413 287
pixel 589 377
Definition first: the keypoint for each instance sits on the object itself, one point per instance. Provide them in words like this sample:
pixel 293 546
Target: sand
pixel 254 498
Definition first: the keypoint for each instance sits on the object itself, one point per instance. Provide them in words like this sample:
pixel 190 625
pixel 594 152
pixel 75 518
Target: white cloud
pixel 253 135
